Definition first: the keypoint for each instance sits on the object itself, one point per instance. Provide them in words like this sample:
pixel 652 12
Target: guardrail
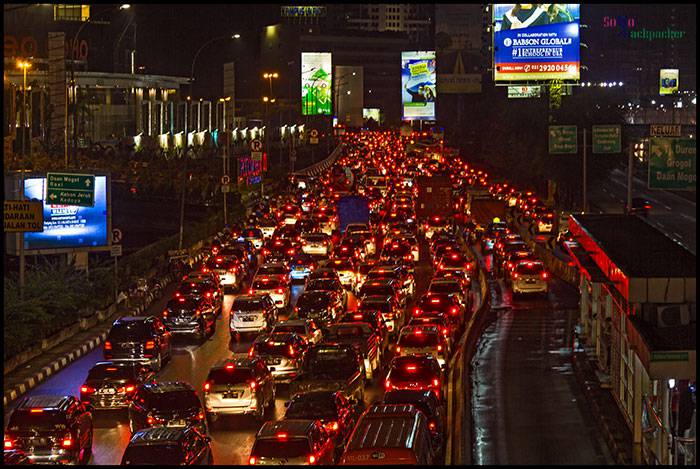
pixel 323 165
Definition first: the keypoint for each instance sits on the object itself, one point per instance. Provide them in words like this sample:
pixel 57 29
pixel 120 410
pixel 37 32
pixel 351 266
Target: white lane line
pixel 660 225
pixel 687 217
pixel 667 207
pixel 677 235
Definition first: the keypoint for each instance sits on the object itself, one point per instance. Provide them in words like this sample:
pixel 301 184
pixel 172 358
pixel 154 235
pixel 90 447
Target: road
pixel 673 215
pixel 232 438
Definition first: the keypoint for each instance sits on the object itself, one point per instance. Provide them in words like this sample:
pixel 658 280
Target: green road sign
pixel 672 163
pixel 562 139
pixel 70 189
pixel 607 139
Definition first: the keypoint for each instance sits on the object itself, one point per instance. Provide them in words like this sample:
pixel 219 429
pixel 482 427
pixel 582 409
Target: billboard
pixel 418 80
pixel 536 41
pixel 316 75
pixel 668 81
pixel 69 226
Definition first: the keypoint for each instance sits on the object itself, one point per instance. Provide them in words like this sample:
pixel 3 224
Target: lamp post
pixel 24 65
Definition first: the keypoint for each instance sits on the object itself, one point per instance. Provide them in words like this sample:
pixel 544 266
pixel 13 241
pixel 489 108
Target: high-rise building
pixel 415 20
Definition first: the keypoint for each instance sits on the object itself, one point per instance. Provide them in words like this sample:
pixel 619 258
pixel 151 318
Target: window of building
pixel 66 12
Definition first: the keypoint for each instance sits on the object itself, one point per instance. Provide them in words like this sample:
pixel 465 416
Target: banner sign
pixel 562 139
pixel 536 41
pixel 316 76
pixel 668 81
pixel 249 170
pixel 70 226
pixel 524 91
pixel 607 139
pixel 672 163
pixel 418 80
pixel 23 215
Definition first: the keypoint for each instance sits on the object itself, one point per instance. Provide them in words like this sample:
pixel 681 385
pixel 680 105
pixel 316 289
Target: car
pixel 255 236
pixel 361 271
pixel 398 273
pixel 428 403
pixel 283 352
pixel 202 287
pixel 208 276
pixel 420 372
pixel 346 271
pixel 640 206
pixel 168 446
pixel 251 313
pixel 396 250
pixel 436 224
pixel 14 457
pixel 383 286
pixel 322 306
pixel 456 261
pixel 323 273
pixel 307 329
pixel 450 286
pixel 489 237
pixel 111 385
pixel 315 244
pixel 290 232
pixel 267 226
pixel 294 442
pixel 273 286
pixel 289 214
pixel 444 303
pixel 375 321
pixel 278 250
pixel 326 284
pixel 423 339
pixel 190 317
pixel 392 312
pixel 239 386
pixel 278 269
pixel 450 330
pixel 302 265
pixel 512 259
pixel 530 277
pixel 142 339
pixel 361 336
pixel 51 429
pixel 348 249
pixel 545 221
pixel 166 404
pixel 307 224
pixel 229 269
pixel 336 413
pixel 364 241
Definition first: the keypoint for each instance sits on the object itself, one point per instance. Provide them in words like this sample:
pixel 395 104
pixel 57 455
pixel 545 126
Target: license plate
pixel 530 280
pixel 248 318
pixel 178 423
pixel 230 395
pixel 299 268
pixel 108 391
pixel 274 361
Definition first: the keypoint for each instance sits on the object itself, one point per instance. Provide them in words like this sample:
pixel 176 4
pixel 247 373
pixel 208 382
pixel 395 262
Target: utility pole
pixel 630 154
pixel 584 171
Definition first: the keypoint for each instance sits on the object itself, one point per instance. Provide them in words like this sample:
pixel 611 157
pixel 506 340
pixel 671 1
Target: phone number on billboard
pixel 550 68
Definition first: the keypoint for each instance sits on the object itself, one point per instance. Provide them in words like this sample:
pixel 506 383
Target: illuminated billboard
pixel 69 226
pixel 316 75
pixel 418 80
pixel 536 41
pixel 668 81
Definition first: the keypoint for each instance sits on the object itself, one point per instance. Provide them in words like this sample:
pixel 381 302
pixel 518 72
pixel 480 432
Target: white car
pixel 252 313
pixel 529 277
pixel 315 244
pixel 345 270
pixel 275 286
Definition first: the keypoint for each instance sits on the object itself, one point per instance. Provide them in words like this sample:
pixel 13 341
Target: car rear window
pixel 177 305
pixel 314 237
pixel 272 270
pixel 266 285
pixel 312 407
pixel 129 331
pixel 411 371
pixel 252 233
pixel 46 420
pixel 340 264
pixel 321 284
pixel 300 329
pixel 445 287
pixel 272 347
pixel 278 448
pixel 418 340
pixel 248 305
pixel 168 454
pixel 308 300
pixel 376 290
pixel 348 331
pixel 234 376
pixel 111 372
pixel 365 268
pixel 530 269
pixel 166 401
pixel 383 306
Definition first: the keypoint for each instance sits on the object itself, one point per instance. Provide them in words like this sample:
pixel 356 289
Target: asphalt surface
pixel 673 215
pixel 232 438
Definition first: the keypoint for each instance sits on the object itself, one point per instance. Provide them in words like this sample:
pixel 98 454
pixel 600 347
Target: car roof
pixel 242 362
pixel 293 427
pixel 240 298
pixel 160 387
pixel 154 435
pixel 276 336
pixel 45 402
pixel 293 322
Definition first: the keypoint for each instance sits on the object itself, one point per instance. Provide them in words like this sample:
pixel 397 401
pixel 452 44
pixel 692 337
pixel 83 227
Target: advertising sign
pixel 418 80
pixel 672 163
pixel 70 226
pixel 371 112
pixel 316 76
pixel 607 139
pixel 524 91
pixel 23 215
pixel 536 41
pixel 249 170
pixel 562 139
pixel 668 81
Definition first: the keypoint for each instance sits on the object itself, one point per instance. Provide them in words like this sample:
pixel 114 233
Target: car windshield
pixel 160 454
pixel 230 376
pixel 111 371
pixel 418 340
pixel 129 331
pixel 46 420
pixel 312 406
pixel 167 401
pixel 248 305
pixel 278 448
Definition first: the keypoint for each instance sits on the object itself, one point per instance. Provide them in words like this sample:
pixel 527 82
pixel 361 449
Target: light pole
pixel 24 65
pixel 270 76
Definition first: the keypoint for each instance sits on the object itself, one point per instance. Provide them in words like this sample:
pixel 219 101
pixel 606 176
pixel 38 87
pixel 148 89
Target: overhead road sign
pixel 562 139
pixel 664 130
pixel 672 163
pixel 607 139
pixel 24 215
pixel 70 189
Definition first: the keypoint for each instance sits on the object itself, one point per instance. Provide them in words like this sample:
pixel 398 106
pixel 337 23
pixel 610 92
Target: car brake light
pixel 165 313
pixel 647 206
pixel 515 275
pixel 181 299
pixel 250 291
pixel 436 382
pixel 435 300
pixel 439 348
pixel 150 344
pixel 252 460
pixel 416 311
pixel 331 426
pixel 398 350
pixel 67 441
pixel 387 384
pixel 251 351
pixel 108 345
pixel 444 330
pixel 312 459
pixel 253 385
pixel 177 293
pixel 87 389
pixel 544 275
pixel 432 426
pixel 8 444
pixel 281 436
pixel 129 388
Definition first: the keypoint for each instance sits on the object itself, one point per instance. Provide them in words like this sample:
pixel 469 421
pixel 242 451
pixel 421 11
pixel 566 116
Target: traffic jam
pixel 342 301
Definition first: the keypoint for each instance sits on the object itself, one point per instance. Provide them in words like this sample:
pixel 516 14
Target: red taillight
pixel 312 459
pixel 515 275
pixel 205 270
pixel 398 350
pixel 280 291
pixel 647 206
pixel 208 295
pixel 432 426
pixel 151 344
pixel 8 444
pixel 177 293
pixel 387 384
pixel 207 386
pixel 87 389
pixel 439 348
pixel 252 460
pixel 544 275
pixel 435 300
pixel 201 416
pixel 251 351
pixel 453 310
pixel 436 382
pixel 331 426
pixel 108 345
pixel 416 311
pixel 444 330
pixel 129 388
pixel 165 313
pixel 292 352
pixel 250 291
pixel 253 385
pixel 67 442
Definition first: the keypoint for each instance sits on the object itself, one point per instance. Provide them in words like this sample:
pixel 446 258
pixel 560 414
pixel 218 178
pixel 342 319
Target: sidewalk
pixel 603 407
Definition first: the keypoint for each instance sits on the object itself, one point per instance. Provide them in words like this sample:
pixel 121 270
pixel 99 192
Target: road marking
pixel 677 235
pixel 661 225
pixel 687 217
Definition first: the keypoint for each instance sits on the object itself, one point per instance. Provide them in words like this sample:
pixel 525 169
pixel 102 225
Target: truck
pixel 434 196
pixel 352 209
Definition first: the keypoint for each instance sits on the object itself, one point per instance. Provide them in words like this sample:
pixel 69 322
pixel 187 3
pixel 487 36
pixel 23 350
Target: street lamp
pixel 24 65
pixel 270 76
